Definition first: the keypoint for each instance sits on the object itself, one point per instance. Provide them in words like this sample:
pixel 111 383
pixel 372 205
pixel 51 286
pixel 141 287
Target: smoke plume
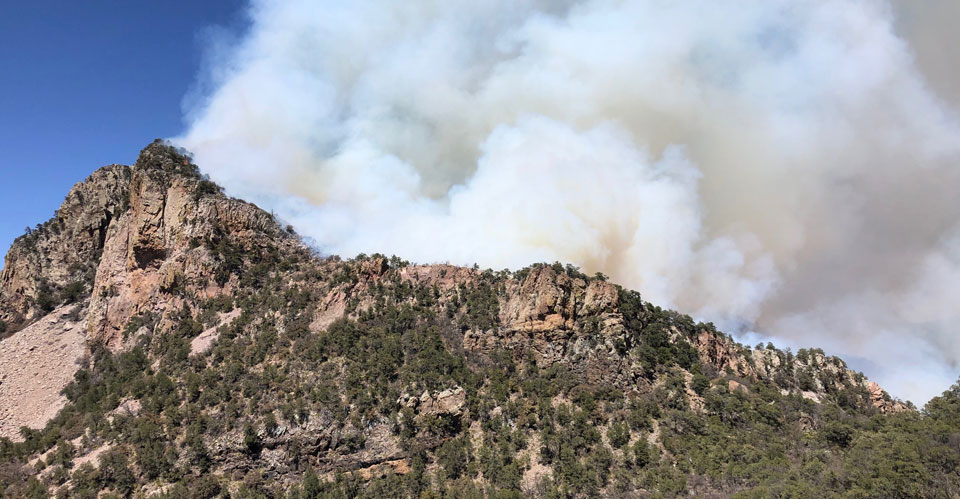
pixel 784 168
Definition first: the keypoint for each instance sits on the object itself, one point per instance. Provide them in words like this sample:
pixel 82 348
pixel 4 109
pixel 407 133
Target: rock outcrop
pixel 164 240
pixel 126 236
pixel 446 402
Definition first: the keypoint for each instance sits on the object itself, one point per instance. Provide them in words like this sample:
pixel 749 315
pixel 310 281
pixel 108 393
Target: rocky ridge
pixel 131 235
pixel 154 262
pixel 579 322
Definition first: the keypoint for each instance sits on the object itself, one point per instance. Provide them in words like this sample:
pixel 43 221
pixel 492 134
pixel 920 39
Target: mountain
pixel 161 339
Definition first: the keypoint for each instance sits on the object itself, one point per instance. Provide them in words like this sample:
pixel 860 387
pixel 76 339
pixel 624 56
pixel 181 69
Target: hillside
pixel 163 340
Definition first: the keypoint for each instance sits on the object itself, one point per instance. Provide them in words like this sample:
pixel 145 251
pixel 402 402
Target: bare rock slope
pixel 35 365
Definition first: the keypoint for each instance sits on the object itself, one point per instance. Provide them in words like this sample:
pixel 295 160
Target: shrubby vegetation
pixel 275 388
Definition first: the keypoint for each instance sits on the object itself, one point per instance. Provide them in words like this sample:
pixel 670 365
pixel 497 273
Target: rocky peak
pixel 162 160
pixel 181 232
pixel 121 225
pixel 127 241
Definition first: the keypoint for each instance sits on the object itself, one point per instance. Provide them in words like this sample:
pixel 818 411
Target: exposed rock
pixel 736 386
pixel 766 362
pixel 205 340
pixel 560 318
pixel 444 277
pixel 66 248
pixel 537 471
pixel 331 308
pixel 396 466
pixel 381 447
pixel 128 407
pixel 881 400
pixel 722 353
pixel 92 457
pixel 543 302
pixel 154 247
pixel 811 396
pixel 448 401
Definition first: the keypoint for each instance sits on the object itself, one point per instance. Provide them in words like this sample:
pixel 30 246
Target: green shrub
pixel 643 454
pixel 838 434
pixel 72 292
pixel 46 299
pixel 251 440
pixel 700 384
pixel 618 434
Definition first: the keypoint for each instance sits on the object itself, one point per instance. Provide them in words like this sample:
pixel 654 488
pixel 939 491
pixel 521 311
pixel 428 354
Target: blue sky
pixel 85 84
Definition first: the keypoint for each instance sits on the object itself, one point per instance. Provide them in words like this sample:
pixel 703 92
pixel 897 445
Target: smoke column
pixel 785 168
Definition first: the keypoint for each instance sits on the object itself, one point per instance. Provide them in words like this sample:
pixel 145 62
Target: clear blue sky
pixel 85 84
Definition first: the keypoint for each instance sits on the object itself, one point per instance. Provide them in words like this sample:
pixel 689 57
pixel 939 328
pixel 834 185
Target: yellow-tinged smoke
pixel 781 167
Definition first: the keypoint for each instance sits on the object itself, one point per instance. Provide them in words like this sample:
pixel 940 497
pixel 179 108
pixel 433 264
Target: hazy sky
pixel 785 168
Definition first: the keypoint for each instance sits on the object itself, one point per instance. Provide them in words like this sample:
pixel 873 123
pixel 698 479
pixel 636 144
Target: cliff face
pixel 164 240
pixel 125 235
pixel 63 250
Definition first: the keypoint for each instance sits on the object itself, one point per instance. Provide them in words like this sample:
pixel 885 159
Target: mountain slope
pixel 121 240
pixel 218 355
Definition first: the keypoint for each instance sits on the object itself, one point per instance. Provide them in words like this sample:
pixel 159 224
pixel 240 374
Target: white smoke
pixel 778 166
